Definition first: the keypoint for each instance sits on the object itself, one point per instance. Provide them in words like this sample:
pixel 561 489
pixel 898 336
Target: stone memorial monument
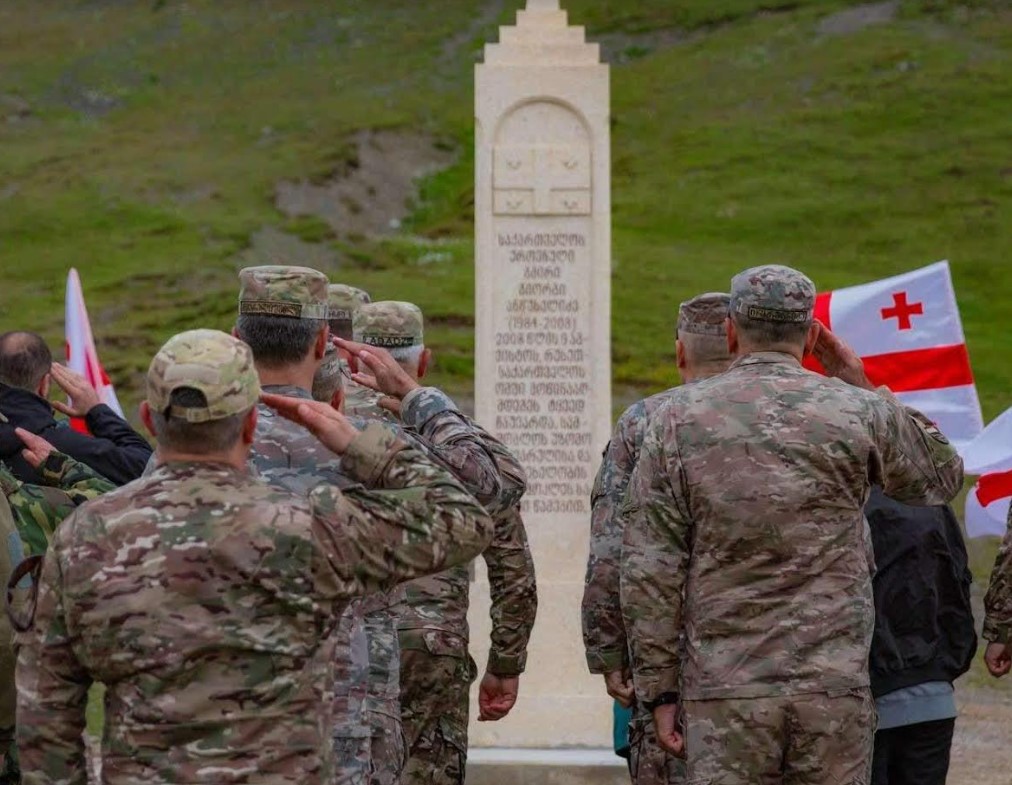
pixel 543 375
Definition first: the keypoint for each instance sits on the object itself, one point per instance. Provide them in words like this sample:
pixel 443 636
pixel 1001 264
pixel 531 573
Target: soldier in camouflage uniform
pixel 29 514
pixel 998 610
pixel 436 668
pixel 287 455
pixel 205 599
pixel 745 534
pixel 701 351
pixel 343 302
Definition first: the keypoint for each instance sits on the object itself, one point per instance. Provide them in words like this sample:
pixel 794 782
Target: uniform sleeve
pixel 514 594
pixel 604 635
pixel 455 441
pixel 998 600
pixel 417 521
pixel 918 464
pixel 39 509
pixel 655 559
pixel 52 691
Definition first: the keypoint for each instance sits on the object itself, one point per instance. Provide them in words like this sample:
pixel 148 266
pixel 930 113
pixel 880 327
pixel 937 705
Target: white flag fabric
pixel 990 457
pixel 80 349
pixel 908 332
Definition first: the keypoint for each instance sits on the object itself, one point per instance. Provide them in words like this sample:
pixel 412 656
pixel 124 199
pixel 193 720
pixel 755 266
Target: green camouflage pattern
pixel 206 600
pixel 998 600
pixel 773 293
pixel 38 509
pixel 812 739
pixel 649 763
pixel 435 706
pixel 705 314
pixel 745 529
pixel 213 362
pixel 362 401
pixel 604 635
pixel 342 303
pixel 283 290
pixel 390 324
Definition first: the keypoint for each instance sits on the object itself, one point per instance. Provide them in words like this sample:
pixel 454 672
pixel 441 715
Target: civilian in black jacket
pixel 115 450
pixel 924 638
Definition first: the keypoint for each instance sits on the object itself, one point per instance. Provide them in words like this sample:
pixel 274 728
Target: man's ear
pixel 322 341
pixel 680 354
pixel 423 361
pixel 732 337
pixel 812 338
pixel 44 384
pixel 249 426
pixel 337 401
pixel 235 332
pixel 149 423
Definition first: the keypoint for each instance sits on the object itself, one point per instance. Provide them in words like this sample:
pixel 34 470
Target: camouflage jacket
pixel 38 509
pixel 749 498
pixel 440 602
pixel 998 600
pixel 205 600
pixel 603 631
pixel 433 420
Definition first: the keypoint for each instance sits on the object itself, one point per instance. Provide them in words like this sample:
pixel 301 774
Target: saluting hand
pixel 385 375
pixel 320 419
pixel 998 658
pixel 83 396
pixel 37 449
pixel 839 359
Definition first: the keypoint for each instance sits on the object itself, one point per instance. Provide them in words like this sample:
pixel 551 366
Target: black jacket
pixel 924 629
pixel 116 451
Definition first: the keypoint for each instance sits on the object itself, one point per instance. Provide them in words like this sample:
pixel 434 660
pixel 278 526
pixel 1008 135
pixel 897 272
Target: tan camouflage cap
pixel 704 315
pixel 773 293
pixel 392 325
pixel 342 303
pixel 213 362
pixel 275 290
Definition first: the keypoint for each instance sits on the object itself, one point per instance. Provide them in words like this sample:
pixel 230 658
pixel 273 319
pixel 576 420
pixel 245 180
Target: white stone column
pixel 543 363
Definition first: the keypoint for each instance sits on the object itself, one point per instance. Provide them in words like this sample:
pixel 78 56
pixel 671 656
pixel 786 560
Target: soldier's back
pixel 774 471
pixel 196 597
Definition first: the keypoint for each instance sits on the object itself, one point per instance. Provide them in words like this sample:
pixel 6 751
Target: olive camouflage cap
pixel 342 303
pixel 392 325
pixel 704 315
pixel 211 362
pixel 773 293
pixel 276 290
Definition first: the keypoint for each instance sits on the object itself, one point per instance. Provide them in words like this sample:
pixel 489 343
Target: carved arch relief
pixel 542 162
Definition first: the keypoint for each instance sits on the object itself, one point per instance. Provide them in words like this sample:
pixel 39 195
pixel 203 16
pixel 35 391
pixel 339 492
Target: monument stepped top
pixel 542 36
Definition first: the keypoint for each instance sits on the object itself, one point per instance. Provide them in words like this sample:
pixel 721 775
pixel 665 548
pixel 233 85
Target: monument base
pixel 499 766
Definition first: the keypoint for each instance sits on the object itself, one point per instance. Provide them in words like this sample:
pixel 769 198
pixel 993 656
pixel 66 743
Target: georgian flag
pixel 990 456
pixel 908 332
pixel 80 348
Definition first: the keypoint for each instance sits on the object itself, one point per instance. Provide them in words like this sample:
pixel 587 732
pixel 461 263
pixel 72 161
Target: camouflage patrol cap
pixel 276 290
pixel 212 362
pixel 704 315
pixel 773 293
pixel 342 303
pixel 392 325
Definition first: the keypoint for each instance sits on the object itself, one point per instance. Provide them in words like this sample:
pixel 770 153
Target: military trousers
pixel 374 759
pixel 436 676
pixel 649 763
pixel 808 739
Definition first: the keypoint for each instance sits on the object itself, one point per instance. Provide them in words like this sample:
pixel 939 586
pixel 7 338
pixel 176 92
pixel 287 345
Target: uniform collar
pixel 766 358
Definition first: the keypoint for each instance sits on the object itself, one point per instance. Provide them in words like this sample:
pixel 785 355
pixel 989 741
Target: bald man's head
pixel 25 361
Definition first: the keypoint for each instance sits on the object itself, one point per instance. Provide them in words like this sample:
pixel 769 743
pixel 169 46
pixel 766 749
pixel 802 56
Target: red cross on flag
pixel 908 332
pixel 990 456
pixel 80 348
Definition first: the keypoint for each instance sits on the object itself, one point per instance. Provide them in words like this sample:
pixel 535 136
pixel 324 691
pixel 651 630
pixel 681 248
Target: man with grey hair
pixel 701 352
pixel 745 582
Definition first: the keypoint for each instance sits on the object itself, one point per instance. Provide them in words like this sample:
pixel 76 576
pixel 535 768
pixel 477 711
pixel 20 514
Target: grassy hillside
pixel 143 141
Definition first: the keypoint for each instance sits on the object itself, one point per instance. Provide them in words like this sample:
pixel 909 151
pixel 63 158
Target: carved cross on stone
pixel 542 180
